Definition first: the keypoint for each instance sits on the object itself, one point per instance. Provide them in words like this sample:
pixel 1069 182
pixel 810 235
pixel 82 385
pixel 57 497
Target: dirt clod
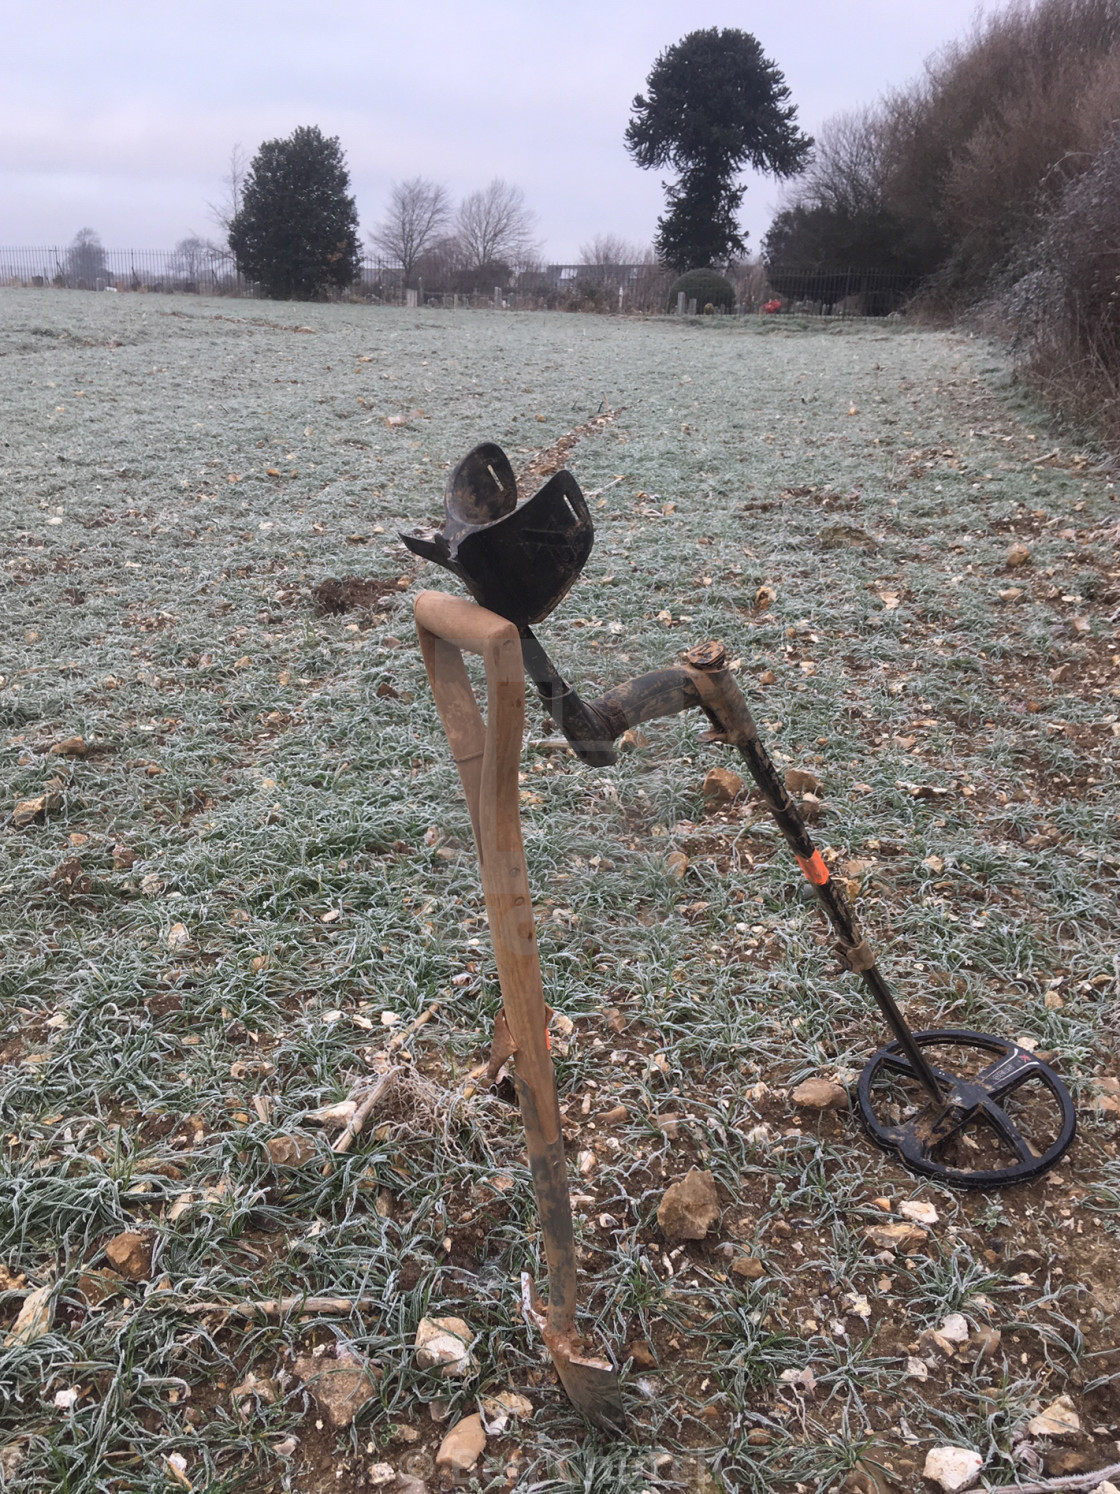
pixel 689 1208
pixel 748 1266
pixel 820 1094
pixel 70 747
pixel 289 1151
pixel 1017 555
pixel 341 1386
pixel 721 786
pixel 352 594
pixel 801 781
pixel 130 1254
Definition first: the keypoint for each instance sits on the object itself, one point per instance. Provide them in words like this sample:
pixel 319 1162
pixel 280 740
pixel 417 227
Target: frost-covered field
pixel 263 850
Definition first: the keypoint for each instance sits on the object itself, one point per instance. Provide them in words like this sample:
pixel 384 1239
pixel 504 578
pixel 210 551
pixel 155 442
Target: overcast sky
pixel 121 117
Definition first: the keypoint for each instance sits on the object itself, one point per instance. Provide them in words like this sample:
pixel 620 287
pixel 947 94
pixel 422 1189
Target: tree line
pixel 993 183
pixel 713 103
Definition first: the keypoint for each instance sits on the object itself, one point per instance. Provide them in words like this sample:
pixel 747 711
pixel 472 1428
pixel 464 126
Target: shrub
pixel 703 286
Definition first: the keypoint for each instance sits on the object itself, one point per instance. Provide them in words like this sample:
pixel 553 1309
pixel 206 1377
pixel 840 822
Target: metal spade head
pixel 517 561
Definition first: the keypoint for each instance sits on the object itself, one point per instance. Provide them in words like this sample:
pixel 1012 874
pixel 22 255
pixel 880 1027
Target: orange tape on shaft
pixel 814 868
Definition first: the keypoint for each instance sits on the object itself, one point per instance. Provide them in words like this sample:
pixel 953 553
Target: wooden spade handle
pixel 487 755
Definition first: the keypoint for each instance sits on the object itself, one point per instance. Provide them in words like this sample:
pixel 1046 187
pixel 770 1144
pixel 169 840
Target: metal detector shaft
pixel 723 701
pixel 705 681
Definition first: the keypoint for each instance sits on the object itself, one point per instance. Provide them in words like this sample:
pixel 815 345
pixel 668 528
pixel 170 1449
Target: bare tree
pixel 494 226
pixel 418 212
pixel 85 260
pixel 226 210
pixel 195 257
pixel 611 249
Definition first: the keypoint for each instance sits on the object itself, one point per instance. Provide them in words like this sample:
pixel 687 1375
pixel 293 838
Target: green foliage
pixel 296 230
pixel 827 251
pixel 708 287
pixel 714 104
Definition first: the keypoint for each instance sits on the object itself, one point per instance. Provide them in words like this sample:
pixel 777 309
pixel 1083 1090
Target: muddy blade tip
pixel 595 1393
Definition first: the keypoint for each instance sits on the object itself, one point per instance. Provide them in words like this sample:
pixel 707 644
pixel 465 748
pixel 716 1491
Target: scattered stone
pixel 444 1344
pixel 27 811
pixel 463 1446
pixel 71 747
pixel 499 1410
pixel 759 1437
pixel 883 1204
pixel 641 1353
pixel 1059 1419
pixel 954 1468
pixel 380 1475
pixel 1017 555
pixel 614 1116
pixel 918 1212
pixel 123 857
pixel 749 1266
pixel 289 1151
pixel 802 1380
pixel 954 1328
pixel 1106 1096
pixel 917 1369
pixel 256 1387
pixel 801 781
pixel 896 1236
pixel 1010 593
pixel 676 865
pixel 341 1386
pixel 810 807
pixel 690 1207
pixel 35 1317
pixel 1105 1488
pixel 130 1254
pixel 820 1094
pixel 721 786
pixel 178 936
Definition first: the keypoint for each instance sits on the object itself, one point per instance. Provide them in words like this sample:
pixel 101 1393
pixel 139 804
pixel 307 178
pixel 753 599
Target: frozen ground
pixel 263 850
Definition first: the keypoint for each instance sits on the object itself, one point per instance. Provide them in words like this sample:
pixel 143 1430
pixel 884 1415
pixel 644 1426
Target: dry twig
pixel 1070 1481
pixel 279 1307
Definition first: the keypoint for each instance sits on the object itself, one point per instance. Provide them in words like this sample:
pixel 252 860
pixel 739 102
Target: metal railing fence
pixel 642 289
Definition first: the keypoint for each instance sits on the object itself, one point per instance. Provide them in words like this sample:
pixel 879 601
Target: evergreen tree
pixel 295 232
pixel 714 104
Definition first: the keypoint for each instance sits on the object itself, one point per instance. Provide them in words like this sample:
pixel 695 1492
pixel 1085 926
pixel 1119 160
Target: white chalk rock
pixel 954 1468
